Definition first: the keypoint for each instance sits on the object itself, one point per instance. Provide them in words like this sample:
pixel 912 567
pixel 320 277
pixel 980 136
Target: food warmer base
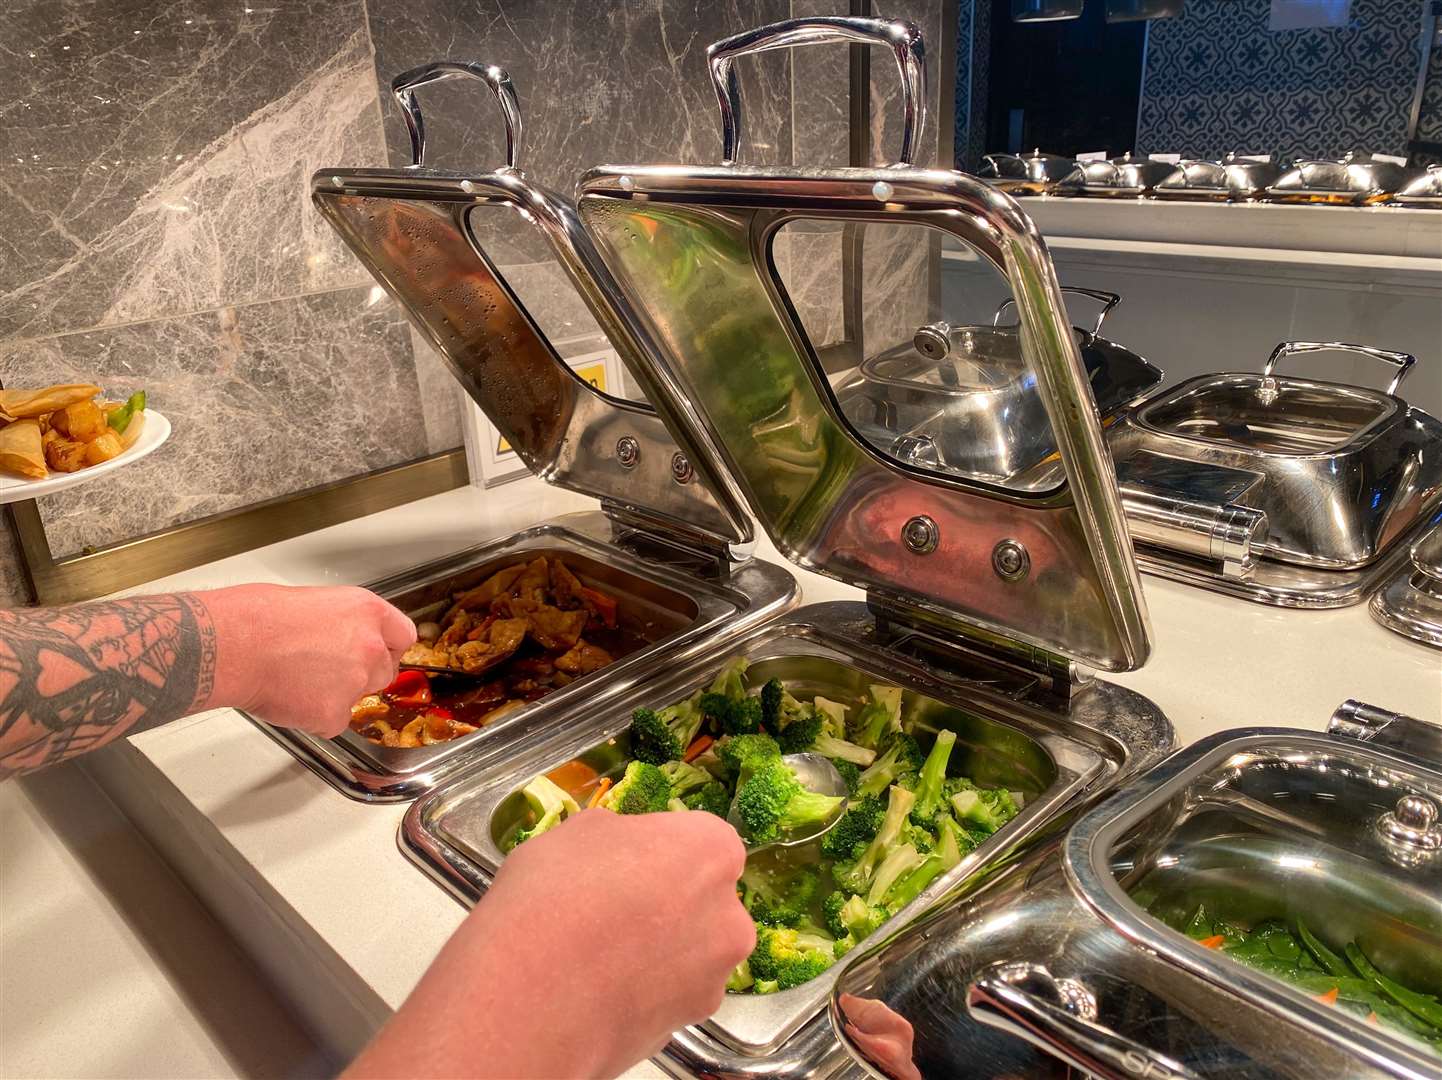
pixel 1008 734
pixel 684 602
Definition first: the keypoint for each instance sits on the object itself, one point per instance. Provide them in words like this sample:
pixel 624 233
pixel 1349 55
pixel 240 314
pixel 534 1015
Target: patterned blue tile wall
pixel 1218 80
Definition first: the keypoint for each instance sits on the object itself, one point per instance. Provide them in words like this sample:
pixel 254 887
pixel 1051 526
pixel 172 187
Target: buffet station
pixel 1062 635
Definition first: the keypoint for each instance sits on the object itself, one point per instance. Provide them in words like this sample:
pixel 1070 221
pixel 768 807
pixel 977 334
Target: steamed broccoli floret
pixel 849 772
pixel 841 750
pixel 771 801
pixel 738 716
pixel 779 899
pixel 550 803
pixel 900 879
pixel 773 694
pixel 856 876
pixel 798 735
pixel 850 919
pixel 988 808
pixel 848 838
pixel 643 790
pixel 684 778
pixel 787 957
pixel 740 754
pixel 740 979
pixel 953 841
pixel 661 735
pixel 833 717
pixel 712 798
pixel 899 763
pixel 878 717
pixel 929 797
pixel 831 912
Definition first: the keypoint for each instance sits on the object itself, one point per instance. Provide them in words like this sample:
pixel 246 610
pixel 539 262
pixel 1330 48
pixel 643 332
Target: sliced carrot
pixel 1330 997
pixel 601 789
pixel 1216 941
pixel 573 777
pixel 697 748
pixel 1372 1018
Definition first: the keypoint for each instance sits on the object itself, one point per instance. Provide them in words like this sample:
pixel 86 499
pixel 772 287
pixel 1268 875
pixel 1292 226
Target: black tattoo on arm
pixel 72 679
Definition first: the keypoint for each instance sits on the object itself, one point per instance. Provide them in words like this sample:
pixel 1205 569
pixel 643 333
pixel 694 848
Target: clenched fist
pixel 597 940
pixel 300 657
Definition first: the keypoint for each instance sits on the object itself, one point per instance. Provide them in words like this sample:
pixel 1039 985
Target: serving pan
pixel 1008 735
pixel 1025 174
pixel 679 603
pixel 1421 192
pixel 1286 490
pixel 1356 180
pixel 1072 956
pixel 1410 603
pixel 1125 177
pixel 1232 178
pixel 959 398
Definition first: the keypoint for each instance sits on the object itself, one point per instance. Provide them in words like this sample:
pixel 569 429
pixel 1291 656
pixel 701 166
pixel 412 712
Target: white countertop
pixel 333 863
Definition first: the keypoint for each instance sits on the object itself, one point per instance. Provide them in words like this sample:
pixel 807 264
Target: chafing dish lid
pixel 1045 575
pixel 416 230
pixel 1126 173
pixel 1357 175
pixel 1254 826
pixel 1422 190
pixel 1036 166
pixel 1232 175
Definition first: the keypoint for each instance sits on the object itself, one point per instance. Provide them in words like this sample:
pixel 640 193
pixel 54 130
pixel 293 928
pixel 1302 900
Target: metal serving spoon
pixel 815 773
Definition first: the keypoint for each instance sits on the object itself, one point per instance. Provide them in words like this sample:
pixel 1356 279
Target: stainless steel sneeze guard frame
pixel 1109 989
pixel 705 608
pixel 454 833
pixel 691 248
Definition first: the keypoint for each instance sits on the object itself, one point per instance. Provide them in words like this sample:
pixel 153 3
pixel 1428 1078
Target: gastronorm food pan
pixel 1356 180
pixel 669 605
pixel 1195 924
pixel 1232 178
pixel 961 399
pixel 1421 192
pixel 1050 754
pixel 1286 490
pixel 1410 603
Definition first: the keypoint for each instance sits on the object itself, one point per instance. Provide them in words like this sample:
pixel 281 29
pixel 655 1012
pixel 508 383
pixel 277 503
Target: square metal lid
pixel 1046 573
pixel 416 230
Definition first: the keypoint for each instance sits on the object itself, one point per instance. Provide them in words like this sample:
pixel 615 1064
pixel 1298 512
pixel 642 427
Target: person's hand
pixel 882 1034
pixel 597 940
pixel 301 657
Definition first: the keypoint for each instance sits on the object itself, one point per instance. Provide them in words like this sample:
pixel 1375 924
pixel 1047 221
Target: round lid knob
pixel 1416 812
pixel 933 341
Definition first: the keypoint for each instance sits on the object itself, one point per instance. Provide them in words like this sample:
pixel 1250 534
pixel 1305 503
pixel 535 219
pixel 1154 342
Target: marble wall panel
pixel 267 399
pixel 14 590
pixel 158 156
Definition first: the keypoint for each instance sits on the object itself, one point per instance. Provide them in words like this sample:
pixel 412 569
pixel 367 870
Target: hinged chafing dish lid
pixel 417 231
pixel 1047 572
pixel 1333 839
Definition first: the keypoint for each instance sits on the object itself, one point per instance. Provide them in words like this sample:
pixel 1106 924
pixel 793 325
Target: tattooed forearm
pixel 72 679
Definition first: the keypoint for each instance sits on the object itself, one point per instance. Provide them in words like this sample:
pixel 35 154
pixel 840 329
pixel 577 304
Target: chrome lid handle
pixel 405 85
pixel 1058 1016
pixel 1108 300
pixel 902 38
pixel 1401 361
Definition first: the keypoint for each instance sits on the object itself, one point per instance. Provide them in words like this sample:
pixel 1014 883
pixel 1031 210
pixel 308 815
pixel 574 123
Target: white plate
pixel 155 432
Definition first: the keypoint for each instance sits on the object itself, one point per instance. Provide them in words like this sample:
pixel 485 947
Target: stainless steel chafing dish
pixel 1072 958
pixel 1422 192
pixel 1125 177
pixel 1280 489
pixel 989 608
pixel 1356 180
pixel 661 544
pixel 1025 174
pixel 1232 178
pixel 960 399
pixel 1411 602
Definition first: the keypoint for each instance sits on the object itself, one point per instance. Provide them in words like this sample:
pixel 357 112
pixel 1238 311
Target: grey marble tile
pixel 265 399
pixel 157 156
pixel 886 113
pixel 14 589
pixel 821 89
pixel 608 81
